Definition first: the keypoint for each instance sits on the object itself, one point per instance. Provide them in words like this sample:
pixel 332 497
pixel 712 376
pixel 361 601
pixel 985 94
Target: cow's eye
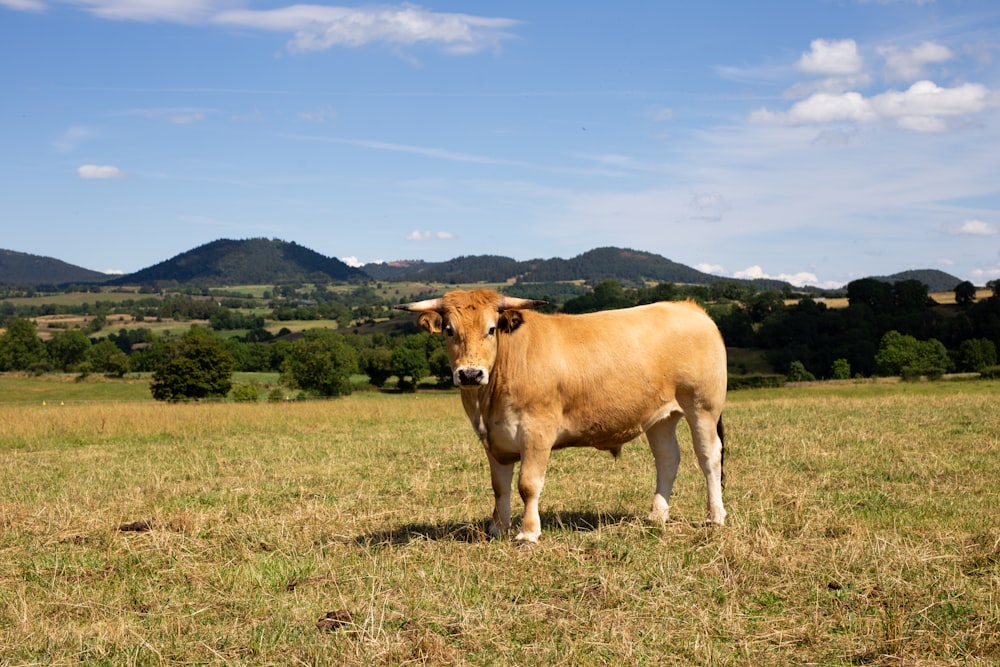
pixel 492 331
pixel 449 330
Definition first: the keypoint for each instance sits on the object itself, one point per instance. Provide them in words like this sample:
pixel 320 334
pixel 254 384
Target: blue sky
pixel 810 140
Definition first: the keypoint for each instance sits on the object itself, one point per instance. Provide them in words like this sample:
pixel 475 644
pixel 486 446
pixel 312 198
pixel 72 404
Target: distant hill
pixel 18 268
pixel 245 262
pixel 623 264
pixel 270 261
pixel 936 281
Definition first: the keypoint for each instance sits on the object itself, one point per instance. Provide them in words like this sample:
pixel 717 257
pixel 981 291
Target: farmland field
pixel 862 531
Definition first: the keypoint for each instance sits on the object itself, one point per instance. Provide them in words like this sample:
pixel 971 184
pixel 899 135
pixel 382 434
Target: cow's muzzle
pixel 471 376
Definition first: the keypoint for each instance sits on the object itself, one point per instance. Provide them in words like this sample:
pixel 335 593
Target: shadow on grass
pixel 478 531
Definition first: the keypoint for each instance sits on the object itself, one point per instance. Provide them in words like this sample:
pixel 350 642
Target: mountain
pixel 245 262
pixel 936 281
pixel 18 268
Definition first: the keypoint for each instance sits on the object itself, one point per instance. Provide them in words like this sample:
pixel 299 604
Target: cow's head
pixel 471 322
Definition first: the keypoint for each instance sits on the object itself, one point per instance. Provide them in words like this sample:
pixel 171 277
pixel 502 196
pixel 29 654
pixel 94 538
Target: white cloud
pixel 352 261
pixel 318 116
pixel 820 108
pixel 919 108
pixel 909 64
pixel 705 267
pixel 314 27
pixel 974 228
pixel 925 98
pixel 319 27
pixel 800 279
pixel 181 116
pixel 986 274
pixel 71 139
pixel 831 58
pixel 99 171
pixel 24 5
pixel 174 11
pixel 417 235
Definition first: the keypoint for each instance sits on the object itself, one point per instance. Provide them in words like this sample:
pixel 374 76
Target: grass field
pixel 862 531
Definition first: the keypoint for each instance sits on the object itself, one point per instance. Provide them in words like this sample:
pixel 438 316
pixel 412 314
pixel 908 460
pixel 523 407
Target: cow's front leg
pixel 501 475
pixel 530 481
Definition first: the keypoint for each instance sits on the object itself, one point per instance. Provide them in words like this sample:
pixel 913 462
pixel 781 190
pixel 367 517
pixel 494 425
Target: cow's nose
pixel 470 376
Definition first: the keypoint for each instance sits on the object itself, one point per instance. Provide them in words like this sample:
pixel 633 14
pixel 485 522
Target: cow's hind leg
pixel 662 438
pixel 707 433
pixel 501 475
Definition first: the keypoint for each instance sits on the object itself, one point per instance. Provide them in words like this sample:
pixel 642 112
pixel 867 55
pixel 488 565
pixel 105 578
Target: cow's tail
pixel 721 430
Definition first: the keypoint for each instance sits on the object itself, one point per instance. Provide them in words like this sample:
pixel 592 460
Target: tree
pixel 409 365
pixel 321 362
pixel 975 354
pixel 196 366
pixel 841 369
pixel 439 365
pixel 20 347
pixel 965 293
pixel 68 349
pixel 106 357
pixel 797 373
pixel 376 363
pixel 899 352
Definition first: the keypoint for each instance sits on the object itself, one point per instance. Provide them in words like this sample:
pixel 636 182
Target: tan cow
pixel 533 382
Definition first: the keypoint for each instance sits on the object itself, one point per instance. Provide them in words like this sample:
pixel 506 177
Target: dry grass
pixel 862 531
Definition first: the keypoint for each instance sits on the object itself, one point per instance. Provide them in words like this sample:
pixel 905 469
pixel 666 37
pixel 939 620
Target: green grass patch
pixel 352 531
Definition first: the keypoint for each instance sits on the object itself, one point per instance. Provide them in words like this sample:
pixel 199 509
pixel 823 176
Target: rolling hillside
pixel 18 268
pixel 271 261
pixel 245 262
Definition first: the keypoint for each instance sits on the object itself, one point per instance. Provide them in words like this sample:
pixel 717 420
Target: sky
pixel 814 141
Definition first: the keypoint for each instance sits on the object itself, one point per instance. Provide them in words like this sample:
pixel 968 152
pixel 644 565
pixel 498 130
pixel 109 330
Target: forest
pixel 341 330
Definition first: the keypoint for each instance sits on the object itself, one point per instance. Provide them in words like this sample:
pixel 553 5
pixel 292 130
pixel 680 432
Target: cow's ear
pixel 510 320
pixel 430 320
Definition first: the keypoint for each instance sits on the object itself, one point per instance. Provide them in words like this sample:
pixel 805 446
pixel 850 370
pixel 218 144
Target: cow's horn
pixel 507 302
pixel 421 306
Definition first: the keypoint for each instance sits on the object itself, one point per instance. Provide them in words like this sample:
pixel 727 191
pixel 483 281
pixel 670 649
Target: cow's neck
pixel 476 404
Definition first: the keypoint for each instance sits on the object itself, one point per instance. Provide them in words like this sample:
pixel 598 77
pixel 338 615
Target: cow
pixel 532 382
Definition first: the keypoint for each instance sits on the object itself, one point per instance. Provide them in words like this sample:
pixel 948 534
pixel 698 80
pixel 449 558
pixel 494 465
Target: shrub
pixel 756 381
pixel 990 372
pixel 797 373
pixel 247 392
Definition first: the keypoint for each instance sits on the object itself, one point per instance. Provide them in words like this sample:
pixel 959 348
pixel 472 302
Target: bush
pixel 914 374
pixel 756 381
pixel 797 373
pixel 841 370
pixel 247 392
pixel 990 373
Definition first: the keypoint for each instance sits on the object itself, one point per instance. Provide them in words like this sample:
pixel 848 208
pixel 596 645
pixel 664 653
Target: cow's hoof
pixel 658 516
pixel 526 539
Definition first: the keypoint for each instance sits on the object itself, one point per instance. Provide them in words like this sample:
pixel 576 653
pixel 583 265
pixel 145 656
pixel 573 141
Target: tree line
pixel 886 329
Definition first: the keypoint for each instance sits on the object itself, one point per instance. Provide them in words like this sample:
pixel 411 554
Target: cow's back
pixel 606 376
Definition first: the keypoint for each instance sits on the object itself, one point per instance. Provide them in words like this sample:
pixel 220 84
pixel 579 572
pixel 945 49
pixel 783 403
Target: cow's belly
pixel 505 440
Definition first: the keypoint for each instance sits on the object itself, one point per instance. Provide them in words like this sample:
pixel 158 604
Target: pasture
pixel 862 531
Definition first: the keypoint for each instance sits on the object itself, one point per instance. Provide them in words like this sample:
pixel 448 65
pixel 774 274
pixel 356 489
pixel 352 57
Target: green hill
pixel 936 281
pixel 18 268
pixel 245 262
